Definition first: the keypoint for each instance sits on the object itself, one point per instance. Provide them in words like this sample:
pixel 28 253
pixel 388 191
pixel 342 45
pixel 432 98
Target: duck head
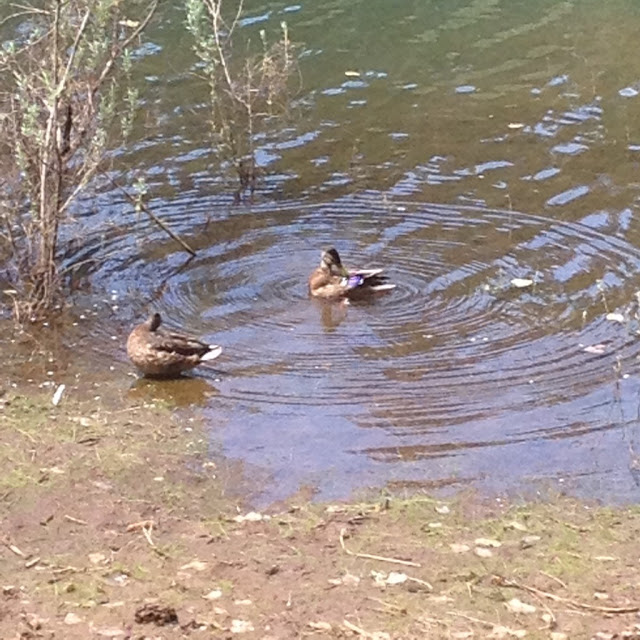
pixel 331 260
pixel 154 321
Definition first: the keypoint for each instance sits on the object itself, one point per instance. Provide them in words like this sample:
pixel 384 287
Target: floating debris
pixel 521 283
pixel 597 349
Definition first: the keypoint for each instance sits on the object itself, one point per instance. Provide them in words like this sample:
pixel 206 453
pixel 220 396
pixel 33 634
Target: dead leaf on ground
pixel 198 565
pixel 483 552
pixel 213 595
pixel 57 396
pixel 241 626
pixel 517 606
pixel 487 542
pixel 347 579
pixel 319 626
pixel 252 516
pixel 443 509
pixel 72 618
pixel 97 558
pixel 459 548
pixel 504 632
pixel 383 579
pixel 529 541
pixel 441 599
pixel 517 526
pixel 110 633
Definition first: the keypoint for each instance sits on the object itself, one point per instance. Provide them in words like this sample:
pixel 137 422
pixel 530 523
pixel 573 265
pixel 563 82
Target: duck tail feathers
pixel 382 287
pixel 212 354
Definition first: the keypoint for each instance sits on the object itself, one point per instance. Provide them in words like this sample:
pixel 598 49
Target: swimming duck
pixel 332 280
pixel 163 354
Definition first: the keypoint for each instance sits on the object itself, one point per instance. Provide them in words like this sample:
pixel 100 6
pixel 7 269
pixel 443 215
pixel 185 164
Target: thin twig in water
pixel 154 217
pixel 369 556
pixel 503 582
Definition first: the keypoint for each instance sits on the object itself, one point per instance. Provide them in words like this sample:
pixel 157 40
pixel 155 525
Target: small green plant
pixel 250 84
pixel 65 98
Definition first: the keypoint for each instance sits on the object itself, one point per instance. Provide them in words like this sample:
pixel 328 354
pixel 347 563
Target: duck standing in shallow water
pixel 331 280
pixel 163 354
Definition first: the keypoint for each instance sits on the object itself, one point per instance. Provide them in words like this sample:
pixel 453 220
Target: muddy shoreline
pixel 119 521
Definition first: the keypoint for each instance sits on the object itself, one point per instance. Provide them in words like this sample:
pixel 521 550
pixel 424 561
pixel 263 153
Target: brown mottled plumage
pixel 163 354
pixel 332 280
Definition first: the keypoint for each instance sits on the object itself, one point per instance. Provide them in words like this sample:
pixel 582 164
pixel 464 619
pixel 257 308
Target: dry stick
pixel 358 630
pixel 135 526
pixel 147 534
pixel 388 605
pixel 503 582
pixel 154 217
pixel 369 556
pixel 486 623
pixel 67 569
pixel 16 550
pixel 424 583
pixel 76 520
pixel 560 582
pixel 26 435
pixel 553 620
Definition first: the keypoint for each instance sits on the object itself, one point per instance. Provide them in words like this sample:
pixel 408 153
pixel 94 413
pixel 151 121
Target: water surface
pixel 470 143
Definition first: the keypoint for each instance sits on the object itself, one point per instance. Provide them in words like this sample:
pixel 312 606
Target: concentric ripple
pixel 457 375
pixel 456 361
pixel 454 326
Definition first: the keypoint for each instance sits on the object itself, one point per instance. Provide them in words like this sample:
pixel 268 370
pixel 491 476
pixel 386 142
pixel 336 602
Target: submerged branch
pixel 154 217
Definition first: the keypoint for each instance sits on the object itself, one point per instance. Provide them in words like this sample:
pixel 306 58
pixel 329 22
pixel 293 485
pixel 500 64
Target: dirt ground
pixel 117 523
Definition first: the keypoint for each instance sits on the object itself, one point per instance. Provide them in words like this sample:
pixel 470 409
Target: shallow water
pixel 481 141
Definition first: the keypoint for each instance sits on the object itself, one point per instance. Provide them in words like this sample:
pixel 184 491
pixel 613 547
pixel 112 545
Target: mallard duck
pixel 163 354
pixel 332 280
